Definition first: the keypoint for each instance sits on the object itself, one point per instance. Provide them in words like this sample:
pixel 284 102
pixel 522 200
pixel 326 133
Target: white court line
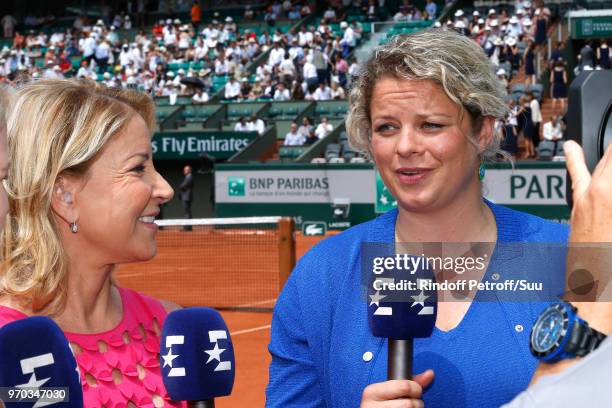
pixel 254 329
pixel 261 302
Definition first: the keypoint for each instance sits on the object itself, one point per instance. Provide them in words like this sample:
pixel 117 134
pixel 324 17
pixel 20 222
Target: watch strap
pixel 589 340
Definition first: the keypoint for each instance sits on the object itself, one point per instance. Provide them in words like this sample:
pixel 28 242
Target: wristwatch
pixel 559 334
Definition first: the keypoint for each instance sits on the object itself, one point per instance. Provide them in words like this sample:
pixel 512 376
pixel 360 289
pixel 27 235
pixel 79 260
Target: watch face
pixel 547 330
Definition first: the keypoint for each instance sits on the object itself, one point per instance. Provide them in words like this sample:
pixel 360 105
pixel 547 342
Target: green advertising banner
pixel 190 145
pixel 591 24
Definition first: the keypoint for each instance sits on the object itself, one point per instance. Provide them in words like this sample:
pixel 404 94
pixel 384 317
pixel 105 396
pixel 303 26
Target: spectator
pixel 196 14
pixel 293 137
pixel 555 54
pixel 306 127
pixel 553 131
pixel 337 92
pixel 558 84
pixel 311 138
pixel 297 93
pixel 502 76
pixel 322 93
pixel 603 54
pixel 281 93
pixel 200 97
pixel 527 127
pixel 241 125
pixel 232 89
pixel 587 56
pixel 84 71
pixel 324 128
pixel 310 73
pixel 245 89
pixel 8 24
pixel 529 62
pixel 256 124
pixel 186 194
pixel 536 116
pixel 432 9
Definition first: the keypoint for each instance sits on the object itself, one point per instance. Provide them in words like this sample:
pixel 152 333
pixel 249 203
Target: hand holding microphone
pixel 197 356
pixel 400 316
pixel 35 356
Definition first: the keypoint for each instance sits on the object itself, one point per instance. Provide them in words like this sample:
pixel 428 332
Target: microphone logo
pixel 418 300
pixel 215 352
pixel 28 365
pixel 169 357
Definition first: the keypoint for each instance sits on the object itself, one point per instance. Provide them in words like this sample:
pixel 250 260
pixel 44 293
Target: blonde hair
pixel 55 128
pixel 448 58
pixel 4 103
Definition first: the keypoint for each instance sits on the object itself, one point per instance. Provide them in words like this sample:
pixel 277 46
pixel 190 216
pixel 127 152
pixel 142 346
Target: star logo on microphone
pixel 169 356
pixel 215 352
pixel 420 300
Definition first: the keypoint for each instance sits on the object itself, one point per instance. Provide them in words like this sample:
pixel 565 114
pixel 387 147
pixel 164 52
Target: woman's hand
pixel 397 393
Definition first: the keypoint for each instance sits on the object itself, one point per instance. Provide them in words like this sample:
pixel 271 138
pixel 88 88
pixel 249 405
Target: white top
pixel 552 132
pixel 536 113
pixel 258 126
pixel 322 94
pixel 323 130
pixel 294 139
pixel 232 89
pixel 310 71
pixel 239 127
pixel 200 98
pixel 283 95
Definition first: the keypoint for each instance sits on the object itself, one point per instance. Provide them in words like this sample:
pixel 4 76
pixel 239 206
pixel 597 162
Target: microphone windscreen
pixel 401 302
pixel 34 353
pixel 196 355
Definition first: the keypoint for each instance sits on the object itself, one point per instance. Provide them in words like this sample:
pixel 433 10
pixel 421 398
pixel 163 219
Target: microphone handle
pixel 210 403
pixel 399 366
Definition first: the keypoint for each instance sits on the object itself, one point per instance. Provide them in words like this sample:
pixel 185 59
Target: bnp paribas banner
pixel 537 188
pixel 191 145
pixel 302 185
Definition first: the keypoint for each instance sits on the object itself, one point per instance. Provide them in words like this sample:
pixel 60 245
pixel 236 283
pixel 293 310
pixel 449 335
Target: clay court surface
pixel 223 269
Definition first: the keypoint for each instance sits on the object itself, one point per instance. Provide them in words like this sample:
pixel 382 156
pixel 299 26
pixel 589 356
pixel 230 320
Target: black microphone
pixel 197 356
pixel 38 368
pixel 402 306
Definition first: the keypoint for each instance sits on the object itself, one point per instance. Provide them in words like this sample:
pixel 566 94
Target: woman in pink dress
pixel 83 195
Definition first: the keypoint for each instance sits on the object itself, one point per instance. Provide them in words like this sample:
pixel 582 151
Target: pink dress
pixel 120 365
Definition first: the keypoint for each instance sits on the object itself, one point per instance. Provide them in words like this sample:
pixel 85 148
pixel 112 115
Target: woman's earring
pixel 74 228
pixel 481 171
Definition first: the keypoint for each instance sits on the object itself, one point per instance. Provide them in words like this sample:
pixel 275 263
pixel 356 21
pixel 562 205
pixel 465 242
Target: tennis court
pixel 235 269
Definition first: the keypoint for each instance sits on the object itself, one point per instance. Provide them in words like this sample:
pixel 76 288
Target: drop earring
pixel 74 228
pixel 481 171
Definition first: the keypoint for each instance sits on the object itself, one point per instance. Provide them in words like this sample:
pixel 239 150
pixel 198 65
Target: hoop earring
pixel 74 228
pixel 481 171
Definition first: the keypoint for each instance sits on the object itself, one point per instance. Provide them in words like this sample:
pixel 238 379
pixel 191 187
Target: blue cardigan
pixel 323 354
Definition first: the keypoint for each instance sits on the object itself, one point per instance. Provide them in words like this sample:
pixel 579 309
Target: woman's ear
pixel 63 199
pixel 486 133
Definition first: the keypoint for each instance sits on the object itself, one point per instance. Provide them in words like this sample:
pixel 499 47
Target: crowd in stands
pixel 510 37
pixel 311 63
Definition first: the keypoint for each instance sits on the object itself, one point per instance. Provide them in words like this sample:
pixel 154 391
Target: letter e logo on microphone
pixel 169 357
pixel 215 352
pixel 28 365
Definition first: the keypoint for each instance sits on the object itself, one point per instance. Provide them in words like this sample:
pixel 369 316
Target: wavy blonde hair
pixel 54 128
pixel 448 58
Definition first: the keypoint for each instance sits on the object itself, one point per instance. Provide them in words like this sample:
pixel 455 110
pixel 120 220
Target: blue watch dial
pixel 548 330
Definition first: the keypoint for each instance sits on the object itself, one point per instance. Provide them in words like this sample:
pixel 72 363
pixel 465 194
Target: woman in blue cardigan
pixel 424 108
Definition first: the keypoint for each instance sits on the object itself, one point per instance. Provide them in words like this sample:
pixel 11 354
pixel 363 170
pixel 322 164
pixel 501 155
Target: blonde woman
pixel 83 195
pixel 4 101
pixel 424 107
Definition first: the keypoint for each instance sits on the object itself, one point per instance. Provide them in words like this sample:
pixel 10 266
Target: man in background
pixel 186 194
